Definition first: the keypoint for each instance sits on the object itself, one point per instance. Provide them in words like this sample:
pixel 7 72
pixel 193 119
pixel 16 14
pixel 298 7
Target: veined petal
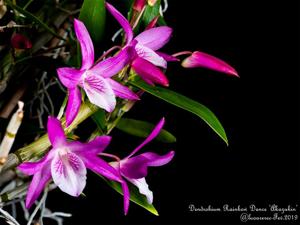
pixel 69 77
pixel 136 167
pixel 68 172
pixel 101 167
pixel 168 58
pixel 114 65
pixel 93 147
pixel 155 38
pixel 74 101
pixel 122 91
pixel 150 55
pixel 122 21
pixel 86 44
pixel 151 136
pixel 149 72
pixel 201 59
pixel 143 187
pixel 39 181
pixel 99 92
pixel 56 133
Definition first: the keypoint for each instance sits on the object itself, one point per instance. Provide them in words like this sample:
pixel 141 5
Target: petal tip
pixel 166 84
pixel 235 73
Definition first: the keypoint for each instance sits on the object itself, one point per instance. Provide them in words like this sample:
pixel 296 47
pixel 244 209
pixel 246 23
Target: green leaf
pixel 150 12
pixel 33 18
pixel 135 195
pixel 185 103
pixel 99 119
pixel 143 129
pixel 93 15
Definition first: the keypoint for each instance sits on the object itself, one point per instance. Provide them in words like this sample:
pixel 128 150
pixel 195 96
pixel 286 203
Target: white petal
pixel 143 188
pixel 150 55
pixel 99 92
pixel 68 172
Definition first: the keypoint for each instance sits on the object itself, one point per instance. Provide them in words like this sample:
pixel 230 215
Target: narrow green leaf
pixel 33 18
pixel 93 15
pixel 150 13
pixel 185 103
pixel 143 129
pixel 135 196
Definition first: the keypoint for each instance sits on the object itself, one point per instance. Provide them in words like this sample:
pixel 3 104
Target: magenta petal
pixel 157 160
pixel 113 65
pixel 74 102
pixel 39 181
pixel 149 72
pixel 155 38
pixel 69 77
pixel 101 167
pixel 30 168
pixel 122 91
pixel 122 21
pixel 56 133
pixel 151 136
pixel 136 167
pixel 126 195
pixel 86 44
pixel 201 59
pixel 168 58
pixel 150 55
pixel 93 147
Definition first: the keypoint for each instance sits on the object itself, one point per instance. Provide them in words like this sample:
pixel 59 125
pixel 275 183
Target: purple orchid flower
pixel 201 59
pixel 95 80
pixel 134 168
pixel 66 163
pixel 147 44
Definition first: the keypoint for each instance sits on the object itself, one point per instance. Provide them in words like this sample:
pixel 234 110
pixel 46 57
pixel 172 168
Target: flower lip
pixel 63 150
pixel 67 162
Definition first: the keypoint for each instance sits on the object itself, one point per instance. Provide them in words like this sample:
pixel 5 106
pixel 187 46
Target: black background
pixel 260 112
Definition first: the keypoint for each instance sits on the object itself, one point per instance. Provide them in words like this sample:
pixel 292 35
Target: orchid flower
pixel 134 168
pixel 95 80
pixel 148 42
pixel 66 163
pixel 201 59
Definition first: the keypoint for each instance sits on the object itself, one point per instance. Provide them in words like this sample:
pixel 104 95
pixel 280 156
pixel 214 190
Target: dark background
pixel 260 112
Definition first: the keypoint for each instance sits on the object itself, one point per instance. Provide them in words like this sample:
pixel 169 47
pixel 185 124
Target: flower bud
pixel 139 5
pixel 19 41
